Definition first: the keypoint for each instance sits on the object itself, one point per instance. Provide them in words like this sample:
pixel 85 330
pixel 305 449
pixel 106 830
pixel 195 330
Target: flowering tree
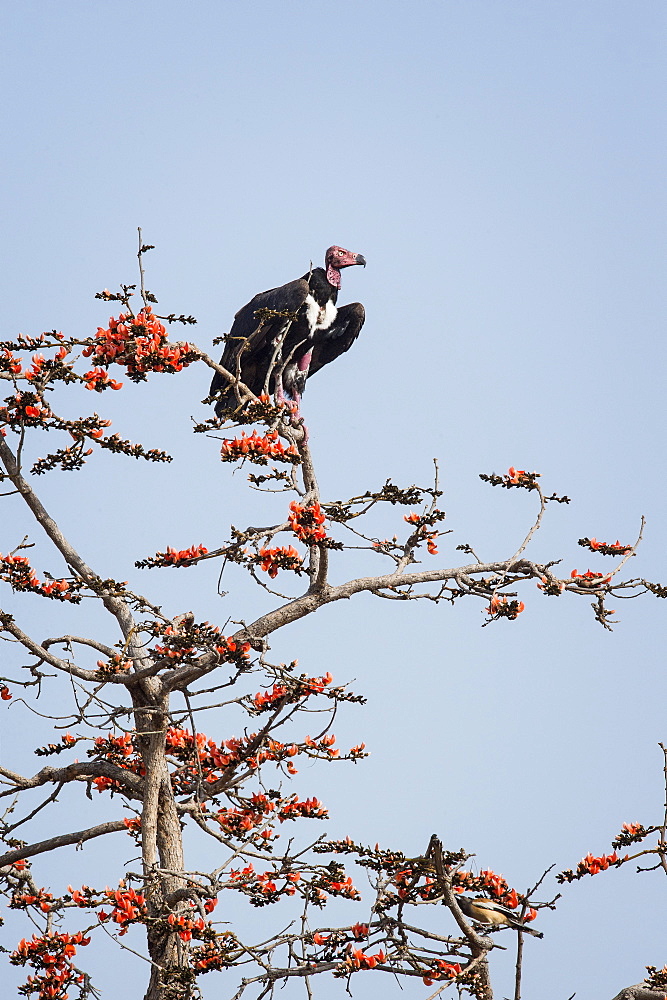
pixel 126 739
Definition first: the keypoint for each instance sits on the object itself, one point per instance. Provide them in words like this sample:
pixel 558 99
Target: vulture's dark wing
pixel 250 344
pixel 335 340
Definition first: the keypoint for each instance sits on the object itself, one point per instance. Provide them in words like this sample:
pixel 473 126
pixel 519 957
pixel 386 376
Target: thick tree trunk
pixel 171 978
pixel 163 857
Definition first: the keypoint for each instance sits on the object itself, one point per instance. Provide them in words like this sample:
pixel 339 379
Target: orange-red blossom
pixel 428 536
pixel 258 448
pixel 306 522
pixel 19 573
pixel 505 608
pixel 592 865
pixel 281 557
pixel 590 577
pixel 448 970
pixel 140 343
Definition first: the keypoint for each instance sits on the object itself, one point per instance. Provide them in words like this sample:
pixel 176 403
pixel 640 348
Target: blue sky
pixel 501 167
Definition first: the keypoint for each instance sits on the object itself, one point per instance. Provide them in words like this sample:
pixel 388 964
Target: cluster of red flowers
pixel 140 343
pixel 38 362
pixel 589 577
pixel 497 886
pixel 129 907
pixel 103 784
pixel 520 477
pixel 178 557
pixel 185 926
pixel 606 548
pixel 323 745
pixel 83 897
pixel 208 958
pixel 590 865
pixel 428 536
pixel 5 693
pixel 183 640
pixel 551 587
pixel 17 571
pixel 305 687
pixel 260 807
pixel 501 607
pixel 269 887
pixel 262 887
pixel 258 449
pixel 282 557
pixel 12 365
pixel 405 884
pixel 517 478
pixel 119 750
pixel 232 651
pixel 306 522
pixel 182 739
pixel 65 741
pixel 214 758
pixel 239 821
pixel 26 408
pixel 8 363
pixel 342 887
pixel 115 748
pixel 116 665
pixel 358 959
pixel 42 899
pixel 631 833
pixel 99 380
pixel 316 685
pixel 175 652
pixel 293 808
pixel 440 970
pixel 264 699
pixel 51 954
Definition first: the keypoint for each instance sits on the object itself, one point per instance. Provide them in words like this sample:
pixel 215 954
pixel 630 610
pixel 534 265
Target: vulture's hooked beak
pixel 359 259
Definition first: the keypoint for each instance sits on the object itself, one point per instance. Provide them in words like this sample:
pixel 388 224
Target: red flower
pixel 501 607
pixel 140 343
pixel 306 522
pixel 589 577
pixel 511 900
pixel 258 449
pixel 285 557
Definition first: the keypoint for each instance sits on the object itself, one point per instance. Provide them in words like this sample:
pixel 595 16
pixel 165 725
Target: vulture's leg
pixel 303 366
pixel 278 390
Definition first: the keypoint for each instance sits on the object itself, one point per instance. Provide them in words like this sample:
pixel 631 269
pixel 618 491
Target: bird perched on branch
pixel 283 336
pixel 487 911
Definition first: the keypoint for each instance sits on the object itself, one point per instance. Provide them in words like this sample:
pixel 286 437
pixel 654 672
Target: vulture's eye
pixel 340 253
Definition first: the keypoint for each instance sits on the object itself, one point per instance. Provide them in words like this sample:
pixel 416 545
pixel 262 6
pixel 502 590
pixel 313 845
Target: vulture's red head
pixel 336 258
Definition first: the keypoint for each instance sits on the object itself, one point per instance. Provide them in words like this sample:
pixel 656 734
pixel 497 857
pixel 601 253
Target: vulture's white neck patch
pixel 320 318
